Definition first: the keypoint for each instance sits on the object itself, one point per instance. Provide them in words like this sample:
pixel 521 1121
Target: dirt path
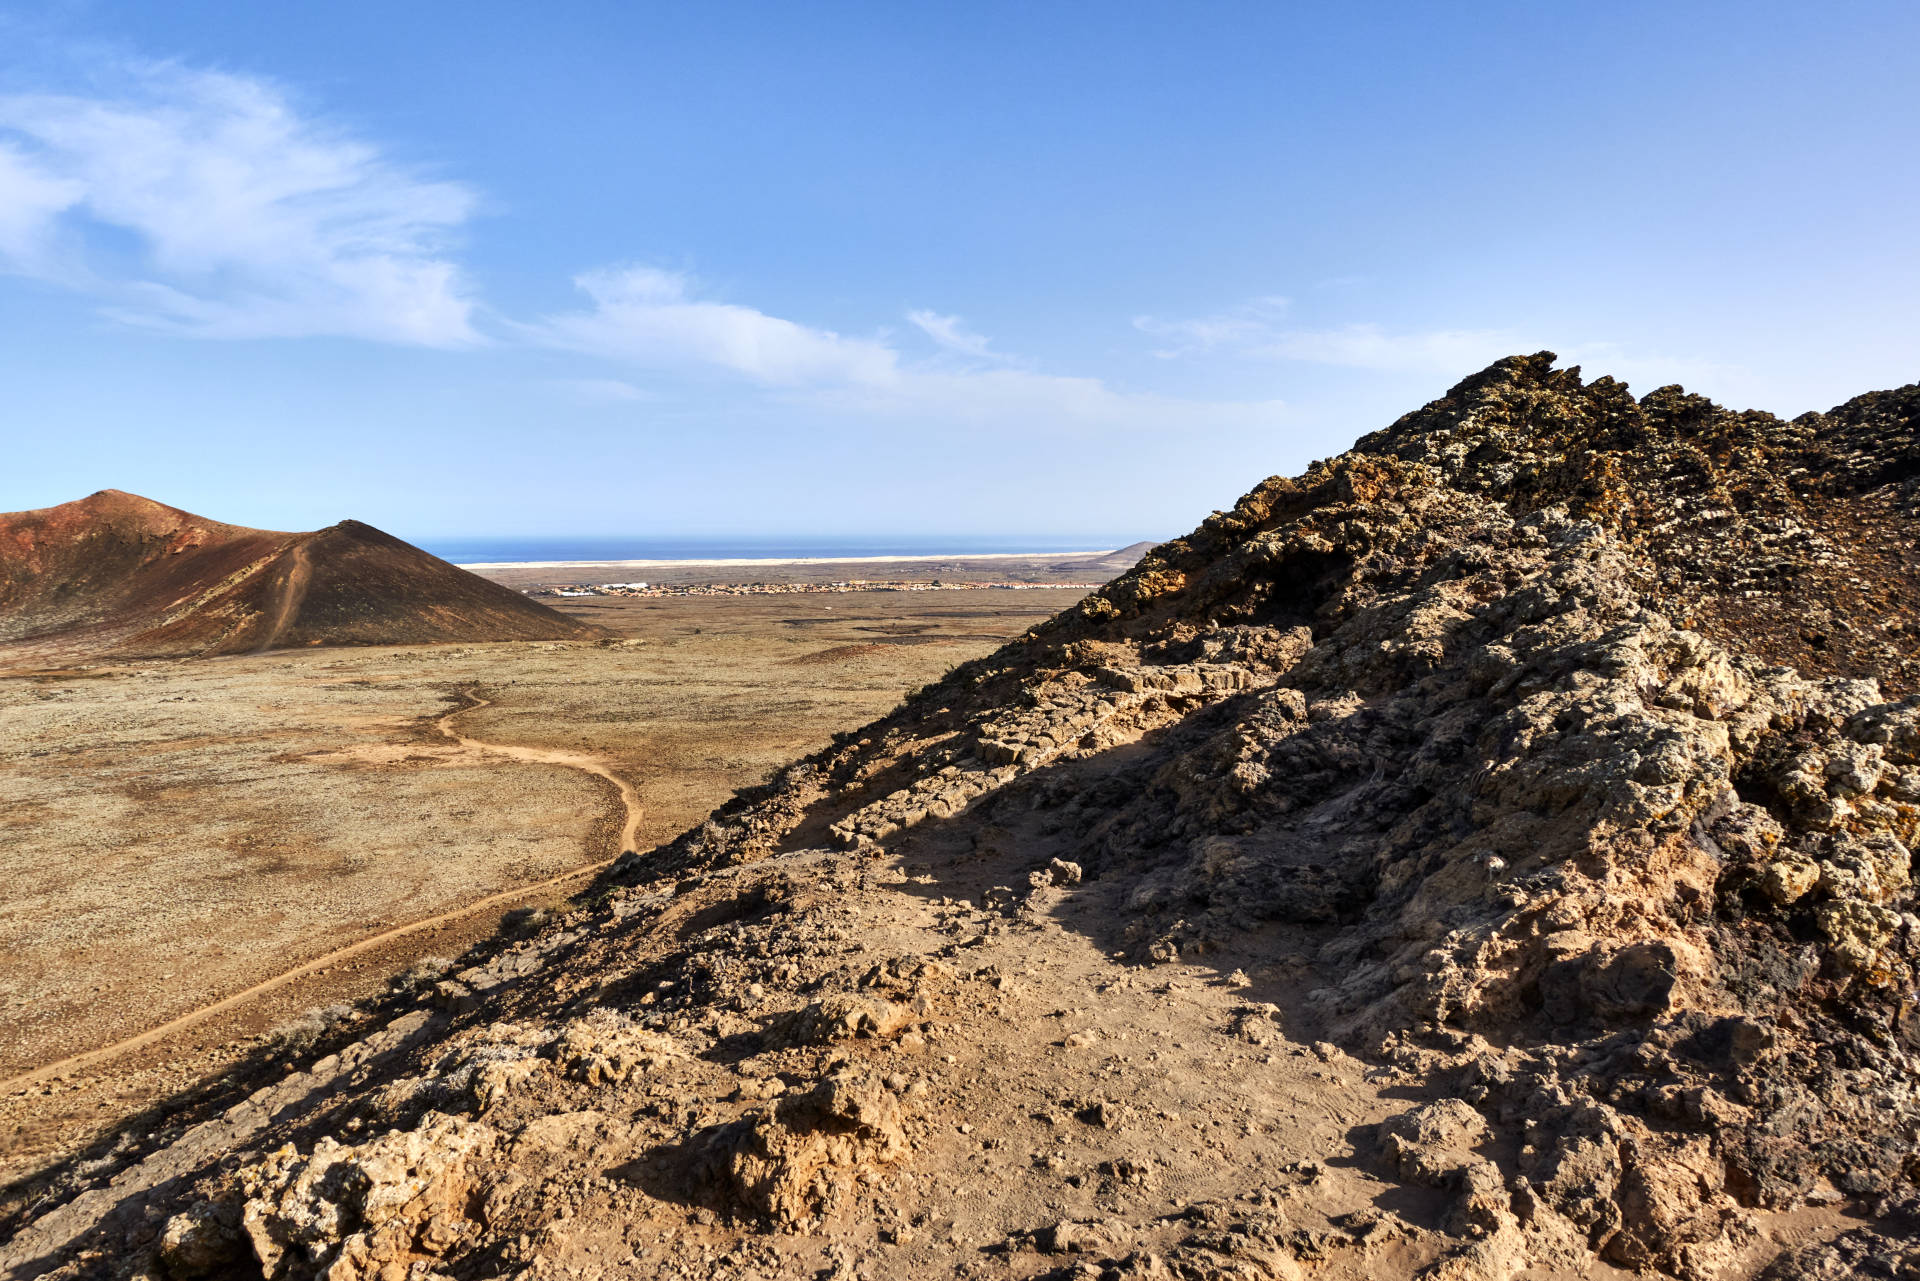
pixel 292 593
pixel 629 798
pixel 550 756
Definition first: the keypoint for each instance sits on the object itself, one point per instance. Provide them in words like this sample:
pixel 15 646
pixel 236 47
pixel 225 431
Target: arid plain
pixel 182 833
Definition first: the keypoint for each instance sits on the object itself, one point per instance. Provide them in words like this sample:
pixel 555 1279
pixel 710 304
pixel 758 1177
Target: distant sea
pixel 467 551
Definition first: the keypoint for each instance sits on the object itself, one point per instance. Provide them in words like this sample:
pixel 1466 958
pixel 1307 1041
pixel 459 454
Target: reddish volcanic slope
pixel 117 574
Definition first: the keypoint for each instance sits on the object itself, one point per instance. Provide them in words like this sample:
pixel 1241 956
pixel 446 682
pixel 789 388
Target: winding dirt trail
pixel 629 798
pixel 293 593
pixel 550 756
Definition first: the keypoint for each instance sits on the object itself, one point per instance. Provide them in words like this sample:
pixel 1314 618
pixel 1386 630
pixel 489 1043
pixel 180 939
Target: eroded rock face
pixel 351 1211
pixel 794 1162
pixel 600 1049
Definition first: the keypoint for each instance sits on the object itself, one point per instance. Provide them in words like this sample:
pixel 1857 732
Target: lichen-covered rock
pixel 202 1240
pixel 1582 724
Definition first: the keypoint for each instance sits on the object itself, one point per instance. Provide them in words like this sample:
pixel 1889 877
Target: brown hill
pixel 115 574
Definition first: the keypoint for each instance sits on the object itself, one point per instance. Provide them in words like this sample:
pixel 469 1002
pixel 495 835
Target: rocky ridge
pixel 1487 852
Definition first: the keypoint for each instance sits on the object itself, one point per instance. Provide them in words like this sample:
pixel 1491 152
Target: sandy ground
pixel 177 832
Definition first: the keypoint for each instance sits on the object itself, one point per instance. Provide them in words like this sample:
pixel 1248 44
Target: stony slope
pixel 117 574
pixel 1486 854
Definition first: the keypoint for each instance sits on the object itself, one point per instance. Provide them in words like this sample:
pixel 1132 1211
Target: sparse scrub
pixel 424 972
pixel 304 1032
pixel 524 920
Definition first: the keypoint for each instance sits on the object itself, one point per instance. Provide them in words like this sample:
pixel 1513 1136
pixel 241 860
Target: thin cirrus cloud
pixel 648 317
pixel 1229 329
pixel 654 319
pixel 601 391
pixel 1249 332
pixel 1452 352
pixel 247 219
pixel 1020 398
pixel 1371 347
pixel 951 333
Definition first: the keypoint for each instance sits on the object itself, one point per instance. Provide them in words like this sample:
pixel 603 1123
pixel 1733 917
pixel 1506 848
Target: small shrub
pixel 423 973
pixel 524 920
pixel 302 1033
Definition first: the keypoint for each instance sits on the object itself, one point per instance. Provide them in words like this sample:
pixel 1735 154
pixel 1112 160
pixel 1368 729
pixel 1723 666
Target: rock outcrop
pixel 1489 850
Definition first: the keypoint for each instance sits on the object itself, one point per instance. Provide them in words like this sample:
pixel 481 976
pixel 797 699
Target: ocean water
pixel 485 550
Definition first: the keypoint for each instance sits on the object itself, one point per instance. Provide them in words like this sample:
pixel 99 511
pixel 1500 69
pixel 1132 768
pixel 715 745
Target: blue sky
pixel 1074 270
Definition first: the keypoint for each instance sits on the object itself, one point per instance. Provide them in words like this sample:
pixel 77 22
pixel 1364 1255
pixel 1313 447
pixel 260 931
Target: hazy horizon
pixel 642 544
pixel 730 271
pixel 589 550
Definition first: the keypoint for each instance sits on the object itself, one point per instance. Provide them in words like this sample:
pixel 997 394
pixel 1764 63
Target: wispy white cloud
pixel 952 333
pixel 1454 353
pixel 646 317
pixel 1228 329
pixel 1023 399
pixel 602 391
pixel 1644 371
pixel 1249 332
pixel 210 204
pixel 1371 347
pixel 248 219
pixel 31 202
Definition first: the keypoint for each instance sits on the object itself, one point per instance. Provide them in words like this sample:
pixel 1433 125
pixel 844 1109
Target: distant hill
pixel 118 574
pixel 1116 562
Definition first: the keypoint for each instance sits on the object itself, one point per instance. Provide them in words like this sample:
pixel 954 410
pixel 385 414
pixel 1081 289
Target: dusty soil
pixel 176 832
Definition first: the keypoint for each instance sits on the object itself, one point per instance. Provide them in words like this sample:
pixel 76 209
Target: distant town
pixel 645 590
